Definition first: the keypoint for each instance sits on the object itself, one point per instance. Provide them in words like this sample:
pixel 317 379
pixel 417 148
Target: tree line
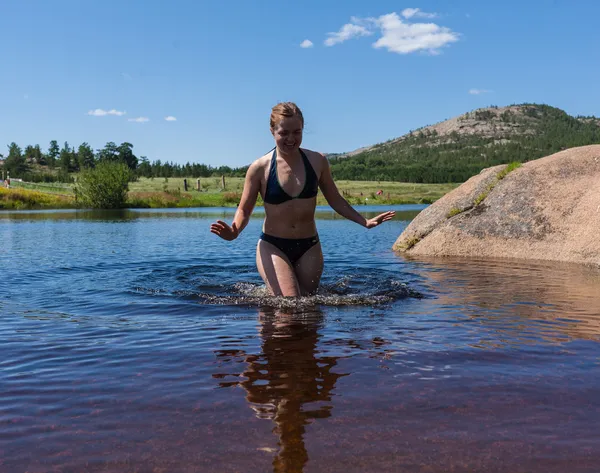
pixel 424 156
pixel 56 164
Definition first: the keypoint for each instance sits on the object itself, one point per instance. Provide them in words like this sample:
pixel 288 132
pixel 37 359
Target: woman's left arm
pixel 341 205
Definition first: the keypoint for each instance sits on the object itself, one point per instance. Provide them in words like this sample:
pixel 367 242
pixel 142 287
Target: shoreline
pixel 29 196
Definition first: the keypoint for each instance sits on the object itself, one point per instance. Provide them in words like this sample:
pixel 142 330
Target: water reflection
pixel 289 382
pixel 520 301
pixel 404 212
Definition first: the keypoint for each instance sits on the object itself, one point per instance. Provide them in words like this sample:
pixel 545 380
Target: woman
pixel 288 254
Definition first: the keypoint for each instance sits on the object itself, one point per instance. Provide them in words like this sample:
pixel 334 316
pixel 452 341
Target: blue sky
pixel 99 71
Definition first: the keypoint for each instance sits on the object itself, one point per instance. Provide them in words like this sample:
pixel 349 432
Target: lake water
pixel 137 341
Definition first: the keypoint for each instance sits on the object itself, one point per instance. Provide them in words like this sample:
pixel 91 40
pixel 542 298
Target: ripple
pixel 151 346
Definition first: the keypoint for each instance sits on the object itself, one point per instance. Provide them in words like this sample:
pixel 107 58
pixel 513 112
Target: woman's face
pixel 288 134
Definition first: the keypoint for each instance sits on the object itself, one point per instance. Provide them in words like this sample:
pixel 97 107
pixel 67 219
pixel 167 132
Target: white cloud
pixel 398 36
pixel 307 43
pixel 171 118
pixel 101 113
pixel 348 31
pixel 126 76
pixel 404 38
pixel 139 119
pixel 479 91
pixel 417 13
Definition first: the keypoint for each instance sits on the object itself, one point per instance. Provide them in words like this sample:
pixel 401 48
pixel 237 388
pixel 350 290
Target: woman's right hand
pixel 225 231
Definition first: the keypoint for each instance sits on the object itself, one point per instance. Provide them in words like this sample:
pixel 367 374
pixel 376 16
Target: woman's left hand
pixel 384 217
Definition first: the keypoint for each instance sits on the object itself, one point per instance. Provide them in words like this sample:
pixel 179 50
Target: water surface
pixel 137 341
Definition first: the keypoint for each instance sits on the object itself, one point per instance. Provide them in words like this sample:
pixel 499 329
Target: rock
pixel 547 209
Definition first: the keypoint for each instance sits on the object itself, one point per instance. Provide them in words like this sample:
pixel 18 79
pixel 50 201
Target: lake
pixel 137 341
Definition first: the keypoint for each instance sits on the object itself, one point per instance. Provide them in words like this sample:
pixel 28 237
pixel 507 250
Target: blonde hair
pixel 285 109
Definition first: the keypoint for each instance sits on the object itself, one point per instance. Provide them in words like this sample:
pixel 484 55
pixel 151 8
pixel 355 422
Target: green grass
pixel 481 197
pixel 165 193
pixel 511 167
pixel 21 199
pixel 501 175
pixel 406 191
pixel 173 199
pixel 50 188
pixel 454 211
pixel 408 244
pixel 208 184
pixel 212 194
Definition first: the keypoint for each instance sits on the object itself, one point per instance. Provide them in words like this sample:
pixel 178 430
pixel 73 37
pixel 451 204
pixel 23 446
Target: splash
pixel 242 287
pixel 346 291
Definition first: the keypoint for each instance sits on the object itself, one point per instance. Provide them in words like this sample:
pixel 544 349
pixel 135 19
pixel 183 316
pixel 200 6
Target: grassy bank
pixel 161 192
pixel 57 188
pixel 170 192
pixel 24 199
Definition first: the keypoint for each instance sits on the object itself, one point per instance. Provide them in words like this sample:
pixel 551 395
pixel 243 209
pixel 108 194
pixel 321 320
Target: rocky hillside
pixel 458 148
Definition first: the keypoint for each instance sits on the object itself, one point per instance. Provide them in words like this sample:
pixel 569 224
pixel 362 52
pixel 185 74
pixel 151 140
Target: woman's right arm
pixel 341 205
pixel 246 206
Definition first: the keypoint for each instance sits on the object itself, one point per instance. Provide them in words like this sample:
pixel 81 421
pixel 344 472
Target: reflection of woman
pixel 288 256
pixel 283 381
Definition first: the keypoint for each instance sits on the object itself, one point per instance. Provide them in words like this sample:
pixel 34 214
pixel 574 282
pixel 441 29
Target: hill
pixel 458 148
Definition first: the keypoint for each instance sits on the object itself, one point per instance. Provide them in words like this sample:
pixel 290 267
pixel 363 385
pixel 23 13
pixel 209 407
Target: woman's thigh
pixel 276 270
pixel 309 269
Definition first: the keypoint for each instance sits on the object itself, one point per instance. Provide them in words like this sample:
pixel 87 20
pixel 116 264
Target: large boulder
pixel 547 209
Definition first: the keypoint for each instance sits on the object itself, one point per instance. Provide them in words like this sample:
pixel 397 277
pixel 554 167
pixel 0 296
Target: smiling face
pixel 288 134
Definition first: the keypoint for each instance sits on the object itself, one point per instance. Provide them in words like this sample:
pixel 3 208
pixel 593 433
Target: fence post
pixel 223 182
pixel 198 184
pixel 185 185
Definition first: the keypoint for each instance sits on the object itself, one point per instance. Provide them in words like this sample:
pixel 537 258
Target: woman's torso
pixel 290 203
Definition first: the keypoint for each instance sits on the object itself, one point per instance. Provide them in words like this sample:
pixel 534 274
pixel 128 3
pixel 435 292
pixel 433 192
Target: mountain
pixel 458 148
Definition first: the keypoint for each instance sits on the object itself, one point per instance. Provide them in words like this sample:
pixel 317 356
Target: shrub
pixel 408 244
pixel 509 168
pixel 453 211
pixel 103 187
pixel 481 197
pixel 501 175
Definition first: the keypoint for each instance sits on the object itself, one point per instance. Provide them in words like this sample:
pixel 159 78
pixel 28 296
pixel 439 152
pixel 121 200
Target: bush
pixel 454 211
pixel 103 187
pixel 511 167
pixel 64 176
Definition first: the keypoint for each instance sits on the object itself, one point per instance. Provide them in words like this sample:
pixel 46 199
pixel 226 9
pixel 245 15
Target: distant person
pixel 288 254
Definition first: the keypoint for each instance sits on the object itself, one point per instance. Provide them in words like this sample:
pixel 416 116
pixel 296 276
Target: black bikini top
pixel 274 194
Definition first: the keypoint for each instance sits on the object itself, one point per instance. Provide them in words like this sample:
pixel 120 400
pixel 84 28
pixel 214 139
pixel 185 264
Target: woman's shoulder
pixel 314 156
pixel 259 165
pixel 316 159
pixel 262 161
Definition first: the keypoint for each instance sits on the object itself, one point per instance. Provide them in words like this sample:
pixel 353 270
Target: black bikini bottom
pixel 293 248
